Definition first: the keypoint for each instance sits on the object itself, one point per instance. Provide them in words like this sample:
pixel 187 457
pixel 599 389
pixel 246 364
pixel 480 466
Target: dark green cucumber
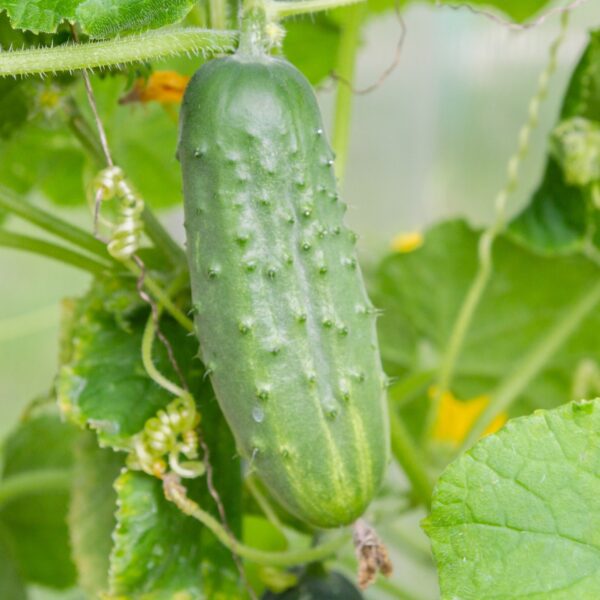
pixel 286 329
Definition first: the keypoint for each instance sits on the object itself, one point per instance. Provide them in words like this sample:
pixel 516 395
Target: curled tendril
pixel 166 437
pixel 126 233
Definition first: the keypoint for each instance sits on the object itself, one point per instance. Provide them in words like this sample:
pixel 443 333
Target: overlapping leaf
pixel 421 292
pixel 517 515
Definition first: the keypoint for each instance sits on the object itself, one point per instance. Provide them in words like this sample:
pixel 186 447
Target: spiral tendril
pixel 111 184
pixel 166 438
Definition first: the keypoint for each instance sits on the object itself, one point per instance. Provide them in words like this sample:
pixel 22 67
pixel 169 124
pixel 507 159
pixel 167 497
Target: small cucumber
pixel 286 329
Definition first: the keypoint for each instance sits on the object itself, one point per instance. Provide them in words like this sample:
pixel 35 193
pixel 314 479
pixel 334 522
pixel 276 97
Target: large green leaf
pixel 92 512
pixel 34 522
pixel 561 216
pixel 98 18
pixel 420 294
pixel 517 515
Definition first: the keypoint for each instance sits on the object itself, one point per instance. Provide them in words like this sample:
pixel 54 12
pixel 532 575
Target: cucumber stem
pixel 252 26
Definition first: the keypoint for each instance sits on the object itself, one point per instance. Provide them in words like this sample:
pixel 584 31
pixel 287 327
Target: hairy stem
pixel 287 8
pixel 60 253
pixel 511 387
pixel 486 242
pixel 12 203
pixel 345 65
pixel 176 493
pixel 410 459
pixel 117 52
pixel 34 482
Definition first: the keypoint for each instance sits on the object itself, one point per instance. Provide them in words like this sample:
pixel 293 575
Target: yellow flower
pixel 455 417
pixel 166 87
pixel 407 242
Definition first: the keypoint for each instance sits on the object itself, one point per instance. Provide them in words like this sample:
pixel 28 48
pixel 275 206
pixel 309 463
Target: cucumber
pixel 286 329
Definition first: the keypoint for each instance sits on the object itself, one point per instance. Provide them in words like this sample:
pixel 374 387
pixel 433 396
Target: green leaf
pixel 516 516
pixel 98 18
pixel 557 219
pixel 11 584
pixel 34 521
pixel 311 44
pixel 561 217
pixel 15 101
pixel 104 384
pixel 44 159
pixel 92 512
pixel 420 294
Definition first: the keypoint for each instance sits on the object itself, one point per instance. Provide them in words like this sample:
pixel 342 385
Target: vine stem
pixel 510 388
pixel 276 9
pixel 345 66
pixel 117 52
pixel 31 482
pixel 60 253
pixel 12 203
pixel 163 298
pixel 486 242
pixel 176 493
pixel 409 458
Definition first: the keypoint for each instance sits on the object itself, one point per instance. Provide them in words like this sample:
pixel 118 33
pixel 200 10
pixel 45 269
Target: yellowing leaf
pixel 455 417
pixel 407 242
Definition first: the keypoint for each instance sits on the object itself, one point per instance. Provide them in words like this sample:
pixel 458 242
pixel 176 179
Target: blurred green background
pixel 431 142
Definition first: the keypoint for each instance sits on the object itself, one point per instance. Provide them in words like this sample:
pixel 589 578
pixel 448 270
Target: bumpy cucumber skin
pixel 285 325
